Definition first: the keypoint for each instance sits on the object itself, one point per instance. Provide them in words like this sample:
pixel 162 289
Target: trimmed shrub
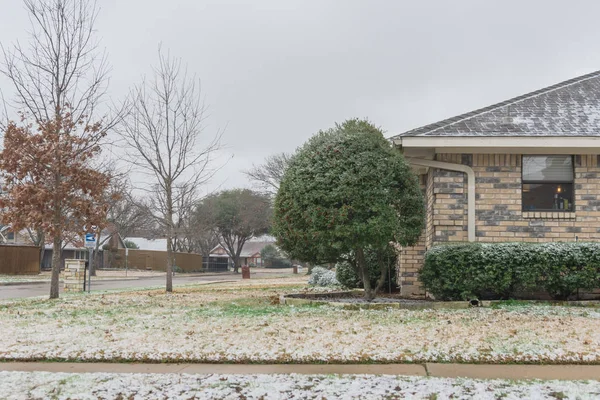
pixel 323 277
pixel 278 263
pixel 500 270
pixel 347 274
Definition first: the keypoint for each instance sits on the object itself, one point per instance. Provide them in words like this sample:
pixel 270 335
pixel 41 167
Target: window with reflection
pixel 548 183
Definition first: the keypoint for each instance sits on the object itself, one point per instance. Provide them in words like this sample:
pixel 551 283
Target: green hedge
pixel 500 270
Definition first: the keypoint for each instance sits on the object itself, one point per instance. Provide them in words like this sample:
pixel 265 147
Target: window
pixel 548 183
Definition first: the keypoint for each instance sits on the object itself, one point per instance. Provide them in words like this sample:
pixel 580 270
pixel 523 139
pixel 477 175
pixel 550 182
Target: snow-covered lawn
pixel 243 322
pixel 43 385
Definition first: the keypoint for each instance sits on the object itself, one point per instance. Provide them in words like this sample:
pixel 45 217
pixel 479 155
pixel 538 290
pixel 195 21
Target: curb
pixel 320 299
pixel 435 370
pixel 23 283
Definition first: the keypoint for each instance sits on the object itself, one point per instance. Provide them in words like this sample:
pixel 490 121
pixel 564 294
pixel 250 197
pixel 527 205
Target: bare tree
pixel 206 240
pixel 269 174
pixel 164 132
pixel 193 234
pixel 123 215
pixel 63 67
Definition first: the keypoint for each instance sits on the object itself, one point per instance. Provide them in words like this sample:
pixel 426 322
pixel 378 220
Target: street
pixel 43 289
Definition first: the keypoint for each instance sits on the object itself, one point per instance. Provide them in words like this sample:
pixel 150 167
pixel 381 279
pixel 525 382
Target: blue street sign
pixel 90 240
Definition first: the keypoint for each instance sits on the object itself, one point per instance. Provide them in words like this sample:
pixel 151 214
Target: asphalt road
pixel 43 289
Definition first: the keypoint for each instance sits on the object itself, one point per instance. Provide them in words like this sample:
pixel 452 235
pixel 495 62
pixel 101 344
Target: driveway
pixel 43 289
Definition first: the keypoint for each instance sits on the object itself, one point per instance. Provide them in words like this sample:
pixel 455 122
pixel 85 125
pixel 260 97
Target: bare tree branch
pixel 268 175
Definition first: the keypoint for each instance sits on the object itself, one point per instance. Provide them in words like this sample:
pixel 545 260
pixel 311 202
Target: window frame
pixel 553 182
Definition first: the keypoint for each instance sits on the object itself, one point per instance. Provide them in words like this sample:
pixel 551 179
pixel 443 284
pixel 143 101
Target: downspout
pixel 470 184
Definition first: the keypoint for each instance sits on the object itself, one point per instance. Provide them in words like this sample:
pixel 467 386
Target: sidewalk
pixel 474 371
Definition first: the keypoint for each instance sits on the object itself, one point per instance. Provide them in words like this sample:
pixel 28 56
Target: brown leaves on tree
pixel 49 182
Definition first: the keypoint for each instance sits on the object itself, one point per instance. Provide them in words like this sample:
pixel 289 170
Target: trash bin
pixel 295 269
pixel 245 272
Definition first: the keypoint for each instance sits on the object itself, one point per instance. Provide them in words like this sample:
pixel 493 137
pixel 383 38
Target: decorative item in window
pixel 548 183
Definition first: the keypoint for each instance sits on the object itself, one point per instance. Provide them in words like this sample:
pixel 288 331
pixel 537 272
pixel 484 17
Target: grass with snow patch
pixel 243 322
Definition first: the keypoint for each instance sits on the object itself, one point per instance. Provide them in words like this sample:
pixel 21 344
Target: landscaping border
pixel 299 299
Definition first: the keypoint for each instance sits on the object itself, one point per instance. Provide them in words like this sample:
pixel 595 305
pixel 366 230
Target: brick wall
pixel 499 216
pixel 410 259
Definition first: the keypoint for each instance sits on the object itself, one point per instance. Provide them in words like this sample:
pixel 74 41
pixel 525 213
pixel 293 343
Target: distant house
pixel 159 244
pixel 9 236
pixel 250 254
pixel 75 249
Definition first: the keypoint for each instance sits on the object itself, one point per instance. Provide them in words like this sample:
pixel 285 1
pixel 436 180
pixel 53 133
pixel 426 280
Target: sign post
pixel 90 243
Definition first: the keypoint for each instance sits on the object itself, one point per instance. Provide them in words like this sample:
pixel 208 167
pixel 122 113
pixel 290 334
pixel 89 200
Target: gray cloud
pixel 274 71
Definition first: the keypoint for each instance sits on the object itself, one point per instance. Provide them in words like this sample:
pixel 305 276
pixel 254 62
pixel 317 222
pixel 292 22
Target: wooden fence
pixel 19 260
pixel 157 260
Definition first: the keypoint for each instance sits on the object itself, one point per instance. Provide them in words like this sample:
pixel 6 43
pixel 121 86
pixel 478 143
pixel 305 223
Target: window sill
pixel 549 214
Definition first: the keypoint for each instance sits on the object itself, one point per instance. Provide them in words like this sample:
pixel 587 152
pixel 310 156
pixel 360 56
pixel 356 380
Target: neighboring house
pixel 525 170
pixel 149 244
pixel 152 254
pixel 75 249
pixel 9 236
pixel 250 254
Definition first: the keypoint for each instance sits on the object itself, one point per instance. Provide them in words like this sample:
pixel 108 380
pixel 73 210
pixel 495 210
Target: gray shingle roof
pixel 570 108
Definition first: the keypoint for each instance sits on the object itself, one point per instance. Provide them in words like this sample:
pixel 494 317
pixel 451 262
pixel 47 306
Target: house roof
pixel 250 247
pixel 567 109
pixel 149 244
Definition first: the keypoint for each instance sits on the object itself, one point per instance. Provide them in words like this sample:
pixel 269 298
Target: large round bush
pixel 345 190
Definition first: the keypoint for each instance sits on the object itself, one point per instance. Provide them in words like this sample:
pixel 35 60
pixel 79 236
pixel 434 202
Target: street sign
pixel 90 240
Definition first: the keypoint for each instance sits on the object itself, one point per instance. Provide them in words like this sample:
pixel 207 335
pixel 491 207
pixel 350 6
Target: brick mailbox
pixel 245 272
pixel 74 275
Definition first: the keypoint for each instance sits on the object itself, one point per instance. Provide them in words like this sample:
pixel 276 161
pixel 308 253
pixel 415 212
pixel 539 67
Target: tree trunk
pixel 383 268
pixel 236 264
pixel 56 264
pixel 169 263
pixel 42 246
pixel 96 259
pixel 364 273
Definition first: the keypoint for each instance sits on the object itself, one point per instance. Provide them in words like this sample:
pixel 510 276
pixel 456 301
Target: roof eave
pixel 508 144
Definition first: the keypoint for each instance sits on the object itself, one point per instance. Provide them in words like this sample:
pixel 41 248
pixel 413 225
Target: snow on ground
pixel 42 385
pixel 23 278
pixel 243 322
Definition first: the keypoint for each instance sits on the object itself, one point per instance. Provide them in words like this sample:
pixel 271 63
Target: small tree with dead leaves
pixel 50 184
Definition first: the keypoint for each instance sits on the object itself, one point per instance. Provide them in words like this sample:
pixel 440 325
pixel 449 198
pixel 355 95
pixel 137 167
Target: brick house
pixel 525 170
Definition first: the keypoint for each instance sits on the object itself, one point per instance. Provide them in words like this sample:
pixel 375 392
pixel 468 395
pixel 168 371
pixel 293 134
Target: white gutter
pixel 470 184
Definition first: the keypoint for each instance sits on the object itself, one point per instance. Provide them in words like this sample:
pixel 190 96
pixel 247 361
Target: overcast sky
pixel 276 71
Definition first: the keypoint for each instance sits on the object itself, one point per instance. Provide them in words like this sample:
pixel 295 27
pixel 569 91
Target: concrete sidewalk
pixel 475 371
